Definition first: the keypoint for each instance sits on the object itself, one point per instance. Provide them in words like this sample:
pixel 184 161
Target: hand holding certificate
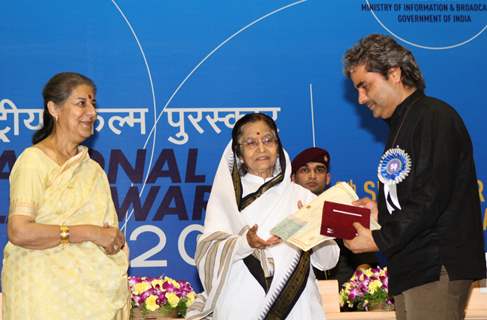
pixel 302 228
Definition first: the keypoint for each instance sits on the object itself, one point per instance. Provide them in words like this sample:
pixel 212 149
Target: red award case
pixel 337 219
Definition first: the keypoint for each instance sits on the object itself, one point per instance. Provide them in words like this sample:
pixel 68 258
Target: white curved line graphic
pixel 311 105
pixel 216 49
pixel 153 131
pixel 419 45
pixel 154 104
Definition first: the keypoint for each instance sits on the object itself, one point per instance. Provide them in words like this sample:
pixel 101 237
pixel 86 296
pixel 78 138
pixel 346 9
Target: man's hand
pixel 257 242
pixel 363 242
pixel 370 204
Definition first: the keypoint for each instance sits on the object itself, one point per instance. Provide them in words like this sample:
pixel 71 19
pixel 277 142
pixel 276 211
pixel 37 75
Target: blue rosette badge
pixel 394 167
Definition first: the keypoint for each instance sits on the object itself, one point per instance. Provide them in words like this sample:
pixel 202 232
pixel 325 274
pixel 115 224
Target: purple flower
pixel 143 288
pixel 366 287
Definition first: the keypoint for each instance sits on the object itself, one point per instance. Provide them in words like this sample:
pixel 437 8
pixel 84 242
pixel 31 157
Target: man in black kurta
pixel 428 203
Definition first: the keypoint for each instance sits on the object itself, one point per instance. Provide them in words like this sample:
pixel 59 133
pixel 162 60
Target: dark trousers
pixel 439 300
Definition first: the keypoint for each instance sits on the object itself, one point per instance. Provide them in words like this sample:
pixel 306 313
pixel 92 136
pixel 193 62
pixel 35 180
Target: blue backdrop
pixel 174 75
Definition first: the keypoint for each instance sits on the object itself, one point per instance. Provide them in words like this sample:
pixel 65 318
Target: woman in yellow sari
pixel 64 258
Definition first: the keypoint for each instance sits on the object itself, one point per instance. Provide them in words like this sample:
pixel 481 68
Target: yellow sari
pixel 73 281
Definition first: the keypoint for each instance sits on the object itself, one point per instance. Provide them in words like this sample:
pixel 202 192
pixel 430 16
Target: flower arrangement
pixel 163 295
pixel 366 289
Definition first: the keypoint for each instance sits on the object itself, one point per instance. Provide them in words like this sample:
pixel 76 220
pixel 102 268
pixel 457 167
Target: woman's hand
pixel 300 204
pixel 257 242
pixel 111 239
pixel 24 232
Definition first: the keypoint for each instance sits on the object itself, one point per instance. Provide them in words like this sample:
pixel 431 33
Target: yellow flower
pixel 151 303
pixel 172 281
pixel 141 287
pixel 156 282
pixel 343 298
pixel 368 272
pixel 173 299
pixel 191 296
pixel 374 286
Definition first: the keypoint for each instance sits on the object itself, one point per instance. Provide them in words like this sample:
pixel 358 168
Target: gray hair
pixel 379 53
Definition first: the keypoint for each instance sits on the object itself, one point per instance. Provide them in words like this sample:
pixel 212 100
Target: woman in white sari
pixel 64 258
pixel 246 272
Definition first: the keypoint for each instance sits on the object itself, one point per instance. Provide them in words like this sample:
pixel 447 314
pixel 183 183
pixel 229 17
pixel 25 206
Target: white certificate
pixel 302 228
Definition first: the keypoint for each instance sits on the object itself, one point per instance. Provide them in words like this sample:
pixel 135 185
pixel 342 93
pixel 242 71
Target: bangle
pixel 64 234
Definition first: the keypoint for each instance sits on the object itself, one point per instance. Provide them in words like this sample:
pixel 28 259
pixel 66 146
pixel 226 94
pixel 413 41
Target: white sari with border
pixel 230 290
